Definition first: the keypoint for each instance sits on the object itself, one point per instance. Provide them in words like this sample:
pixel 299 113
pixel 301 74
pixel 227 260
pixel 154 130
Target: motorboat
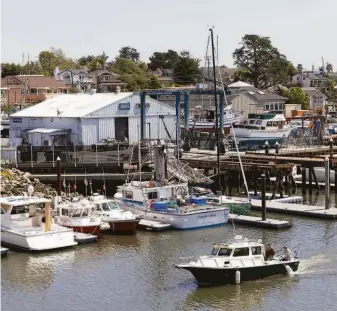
pixel 170 204
pixel 79 215
pixel 259 128
pixel 26 223
pixel 208 124
pixel 238 261
pixel 320 175
pixel 110 212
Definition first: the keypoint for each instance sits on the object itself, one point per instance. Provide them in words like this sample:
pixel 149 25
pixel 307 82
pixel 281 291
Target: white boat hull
pixel 38 241
pixel 251 134
pixel 186 221
pixel 204 125
pixel 320 174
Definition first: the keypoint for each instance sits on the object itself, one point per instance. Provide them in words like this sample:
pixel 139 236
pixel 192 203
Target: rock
pixel 26 175
pixel 36 181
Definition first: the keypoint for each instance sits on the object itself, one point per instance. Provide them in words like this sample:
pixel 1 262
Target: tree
pixel 297 96
pixel 101 59
pixel 329 68
pixel 186 69
pixel 240 75
pixel 129 52
pixel 264 64
pixel 85 60
pixel 291 70
pixel 52 58
pixel 163 60
pixel 299 68
pixel 10 69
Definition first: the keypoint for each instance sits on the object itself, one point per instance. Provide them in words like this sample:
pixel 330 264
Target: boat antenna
pixel 104 188
pixel 231 124
pixel 216 111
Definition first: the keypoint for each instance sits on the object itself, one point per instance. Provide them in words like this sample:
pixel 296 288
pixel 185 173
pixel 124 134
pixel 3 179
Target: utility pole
pixel 216 112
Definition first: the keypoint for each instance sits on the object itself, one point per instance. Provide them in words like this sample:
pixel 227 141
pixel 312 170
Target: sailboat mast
pixel 216 112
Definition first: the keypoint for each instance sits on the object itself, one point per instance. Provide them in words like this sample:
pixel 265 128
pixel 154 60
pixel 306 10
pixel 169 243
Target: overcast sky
pixel 303 30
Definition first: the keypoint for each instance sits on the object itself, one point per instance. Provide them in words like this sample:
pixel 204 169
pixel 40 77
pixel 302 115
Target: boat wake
pixel 309 266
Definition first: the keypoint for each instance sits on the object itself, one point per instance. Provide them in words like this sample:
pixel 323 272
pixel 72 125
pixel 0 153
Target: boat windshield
pixel 225 252
pixel 113 205
pixel 79 212
pixel 215 251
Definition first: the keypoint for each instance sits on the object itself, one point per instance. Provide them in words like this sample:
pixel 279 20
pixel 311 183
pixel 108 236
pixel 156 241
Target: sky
pixel 303 30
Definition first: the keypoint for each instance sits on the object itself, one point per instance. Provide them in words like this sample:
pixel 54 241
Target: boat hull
pixel 222 276
pixel 95 230
pixel 39 241
pixel 127 226
pixel 195 220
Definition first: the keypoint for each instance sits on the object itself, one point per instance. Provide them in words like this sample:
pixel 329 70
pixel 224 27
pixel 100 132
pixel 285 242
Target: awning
pixel 46 131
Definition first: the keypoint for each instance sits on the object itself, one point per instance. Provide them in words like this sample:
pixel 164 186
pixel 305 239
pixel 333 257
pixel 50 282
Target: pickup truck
pixel 109 145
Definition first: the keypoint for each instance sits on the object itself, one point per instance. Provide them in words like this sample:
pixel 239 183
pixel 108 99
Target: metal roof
pixel 72 105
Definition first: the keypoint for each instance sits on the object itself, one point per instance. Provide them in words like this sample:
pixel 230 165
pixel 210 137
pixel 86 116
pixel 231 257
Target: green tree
pixel 263 63
pixel 186 69
pixel 129 52
pixel 297 96
pixel 85 60
pixel 329 68
pixel 163 60
pixel 291 70
pixel 299 68
pixel 54 57
pixel 10 69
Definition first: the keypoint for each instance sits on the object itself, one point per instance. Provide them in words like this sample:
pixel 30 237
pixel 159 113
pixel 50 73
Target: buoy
pixel 238 277
pixel 290 271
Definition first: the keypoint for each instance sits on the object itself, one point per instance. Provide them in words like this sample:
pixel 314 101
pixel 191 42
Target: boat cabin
pixel 19 212
pixel 75 210
pixel 238 250
pixel 270 121
pixel 102 204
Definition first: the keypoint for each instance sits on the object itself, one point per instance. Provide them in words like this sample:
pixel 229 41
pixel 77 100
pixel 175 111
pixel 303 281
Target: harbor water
pixel 137 272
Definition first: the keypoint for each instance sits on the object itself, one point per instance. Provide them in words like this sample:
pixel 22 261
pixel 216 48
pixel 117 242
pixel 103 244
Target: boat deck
pixel 151 225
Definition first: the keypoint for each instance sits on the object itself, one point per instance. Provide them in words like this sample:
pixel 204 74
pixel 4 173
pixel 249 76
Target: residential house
pixel 310 79
pixel 318 100
pixel 74 77
pixel 105 81
pixel 253 100
pixel 165 76
pixel 30 89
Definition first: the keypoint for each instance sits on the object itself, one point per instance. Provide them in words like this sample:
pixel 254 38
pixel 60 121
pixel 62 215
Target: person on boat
pixel 270 253
pixel 287 254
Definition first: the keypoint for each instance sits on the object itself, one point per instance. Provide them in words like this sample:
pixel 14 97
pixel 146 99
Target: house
pixel 253 100
pixel 318 100
pixel 74 77
pixel 105 81
pixel 165 76
pixel 30 89
pixel 310 79
pixel 87 118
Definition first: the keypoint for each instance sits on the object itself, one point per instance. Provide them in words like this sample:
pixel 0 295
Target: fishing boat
pixel 238 261
pixel 26 223
pixel 110 212
pixel 79 215
pixel 208 124
pixel 259 128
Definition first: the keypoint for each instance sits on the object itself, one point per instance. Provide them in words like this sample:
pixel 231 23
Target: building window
pixel 267 107
pixel 55 91
pixel 152 195
pixel 271 107
pixel 33 91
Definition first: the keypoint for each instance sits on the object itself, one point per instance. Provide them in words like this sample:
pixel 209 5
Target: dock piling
pixel 58 167
pixel 304 179
pixel 263 194
pixel 327 183
pixel 310 179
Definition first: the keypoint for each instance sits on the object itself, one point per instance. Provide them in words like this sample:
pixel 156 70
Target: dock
pixel 4 251
pixel 258 222
pixel 84 238
pixel 296 209
pixel 150 225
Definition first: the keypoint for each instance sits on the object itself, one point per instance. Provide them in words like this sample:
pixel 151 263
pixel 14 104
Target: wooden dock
pixel 84 238
pixel 150 225
pixel 258 222
pixel 296 209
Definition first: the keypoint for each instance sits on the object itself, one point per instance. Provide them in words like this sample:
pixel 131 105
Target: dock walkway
pixel 296 209
pixel 258 222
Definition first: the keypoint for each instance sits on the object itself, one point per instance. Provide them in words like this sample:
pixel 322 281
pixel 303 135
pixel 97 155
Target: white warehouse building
pixel 88 118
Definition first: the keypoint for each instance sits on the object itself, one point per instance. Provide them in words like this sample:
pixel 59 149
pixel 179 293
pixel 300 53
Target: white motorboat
pixel 320 175
pixel 22 225
pixel 110 212
pixel 208 124
pixel 260 128
pixel 79 215
pixel 238 261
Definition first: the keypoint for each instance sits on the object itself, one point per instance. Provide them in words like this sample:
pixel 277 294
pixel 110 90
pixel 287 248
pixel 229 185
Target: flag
pixel 86 182
pixel 75 187
pixel 103 186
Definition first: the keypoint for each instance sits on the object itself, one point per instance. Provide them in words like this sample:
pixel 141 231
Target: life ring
pixel 149 184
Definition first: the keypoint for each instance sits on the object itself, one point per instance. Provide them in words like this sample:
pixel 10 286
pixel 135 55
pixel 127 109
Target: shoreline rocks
pixel 14 182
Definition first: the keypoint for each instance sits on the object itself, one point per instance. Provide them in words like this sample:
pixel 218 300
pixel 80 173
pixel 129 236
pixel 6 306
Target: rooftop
pixel 311 91
pixel 263 95
pixel 71 105
pixel 239 84
pixel 33 81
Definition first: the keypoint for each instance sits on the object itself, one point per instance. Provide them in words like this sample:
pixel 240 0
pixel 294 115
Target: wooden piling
pixel 327 183
pixel 310 179
pixel 263 194
pixel 304 179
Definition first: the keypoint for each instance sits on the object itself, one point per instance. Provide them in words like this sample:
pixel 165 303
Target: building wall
pixel 106 128
pixel 318 100
pixel 289 108
pixel 244 103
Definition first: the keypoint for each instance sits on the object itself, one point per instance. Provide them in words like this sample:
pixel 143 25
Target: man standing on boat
pixel 269 252
pixel 287 254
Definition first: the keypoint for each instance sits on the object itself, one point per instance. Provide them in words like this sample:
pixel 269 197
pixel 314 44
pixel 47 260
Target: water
pixel 137 273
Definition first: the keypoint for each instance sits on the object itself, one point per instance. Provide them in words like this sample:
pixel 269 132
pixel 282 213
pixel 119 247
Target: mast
pixel 216 112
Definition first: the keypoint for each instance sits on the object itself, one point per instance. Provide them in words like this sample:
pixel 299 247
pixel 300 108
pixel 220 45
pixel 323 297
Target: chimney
pixel 56 73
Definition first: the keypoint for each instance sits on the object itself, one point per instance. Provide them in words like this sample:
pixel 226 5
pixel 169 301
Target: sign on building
pixel 124 106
